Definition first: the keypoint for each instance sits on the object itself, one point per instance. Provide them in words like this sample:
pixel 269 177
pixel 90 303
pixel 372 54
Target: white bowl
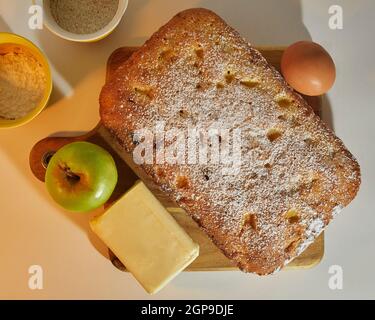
pixel 52 25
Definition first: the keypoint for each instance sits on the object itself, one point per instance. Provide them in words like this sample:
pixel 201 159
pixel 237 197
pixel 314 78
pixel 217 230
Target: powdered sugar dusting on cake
pixel 292 180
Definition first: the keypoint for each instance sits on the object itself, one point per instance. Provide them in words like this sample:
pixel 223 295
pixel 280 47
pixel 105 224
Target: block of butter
pixel 145 238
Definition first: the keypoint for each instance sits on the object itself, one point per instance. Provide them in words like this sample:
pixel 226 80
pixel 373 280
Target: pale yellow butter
pixel 146 239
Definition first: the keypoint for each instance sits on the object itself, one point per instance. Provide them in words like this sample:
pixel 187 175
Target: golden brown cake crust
pixel 295 173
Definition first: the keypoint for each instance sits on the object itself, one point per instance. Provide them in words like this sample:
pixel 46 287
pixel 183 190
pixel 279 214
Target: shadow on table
pixel 326 114
pixel 72 61
pixel 16 143
pixel 263 22
pixel 4 26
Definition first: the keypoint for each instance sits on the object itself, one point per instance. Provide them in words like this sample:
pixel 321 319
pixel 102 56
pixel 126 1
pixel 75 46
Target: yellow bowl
pixel 13 39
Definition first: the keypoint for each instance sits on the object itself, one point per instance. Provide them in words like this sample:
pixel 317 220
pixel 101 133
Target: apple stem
pixel 70 175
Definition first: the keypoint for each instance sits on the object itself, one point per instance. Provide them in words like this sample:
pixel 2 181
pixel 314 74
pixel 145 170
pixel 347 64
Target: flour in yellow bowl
pixel 22 82
pixel 25 80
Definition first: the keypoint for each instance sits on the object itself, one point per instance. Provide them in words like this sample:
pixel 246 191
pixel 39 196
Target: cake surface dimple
pixel 294 174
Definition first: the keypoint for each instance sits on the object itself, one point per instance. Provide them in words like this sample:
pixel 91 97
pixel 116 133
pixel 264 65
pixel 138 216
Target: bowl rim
pixel 52 25
pixel 15 39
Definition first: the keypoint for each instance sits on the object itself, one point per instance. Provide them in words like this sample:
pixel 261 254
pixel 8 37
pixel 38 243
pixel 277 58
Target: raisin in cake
pixel 295 174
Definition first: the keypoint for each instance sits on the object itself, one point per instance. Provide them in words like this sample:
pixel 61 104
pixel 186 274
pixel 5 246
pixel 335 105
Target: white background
pixel 33 230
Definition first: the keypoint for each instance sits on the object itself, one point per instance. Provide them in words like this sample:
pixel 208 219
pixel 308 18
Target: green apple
pixel 81 176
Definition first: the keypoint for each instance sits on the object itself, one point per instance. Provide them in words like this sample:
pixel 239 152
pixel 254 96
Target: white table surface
pixel 33 230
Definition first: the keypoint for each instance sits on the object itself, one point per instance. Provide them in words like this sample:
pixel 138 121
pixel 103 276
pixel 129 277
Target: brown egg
pixel 308 68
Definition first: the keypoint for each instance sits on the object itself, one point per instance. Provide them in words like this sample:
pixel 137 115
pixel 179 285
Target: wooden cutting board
pixel 210 258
